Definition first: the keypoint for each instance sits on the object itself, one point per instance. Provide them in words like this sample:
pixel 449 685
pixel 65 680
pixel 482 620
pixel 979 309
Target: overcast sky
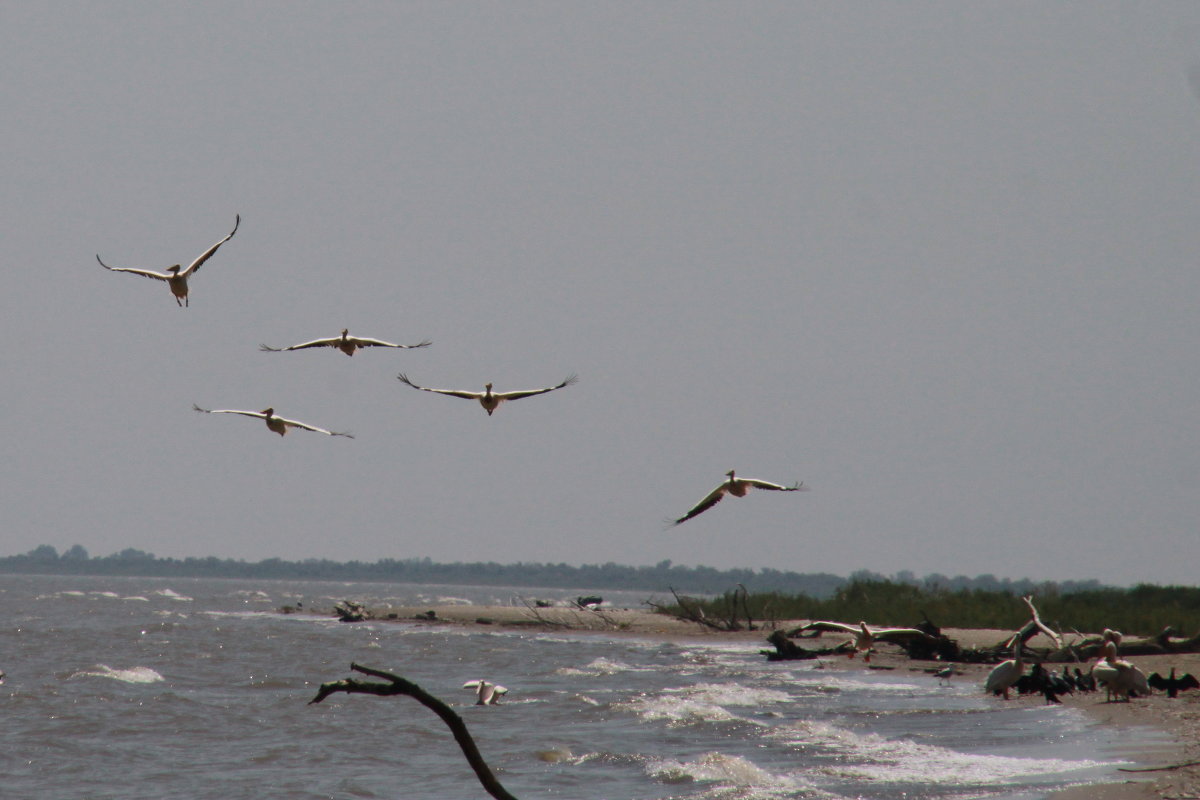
pixel 939 261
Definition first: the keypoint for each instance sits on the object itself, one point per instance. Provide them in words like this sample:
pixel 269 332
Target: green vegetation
pixel 1142 610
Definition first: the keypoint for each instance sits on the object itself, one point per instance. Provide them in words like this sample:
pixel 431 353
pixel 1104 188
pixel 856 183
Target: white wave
pixel 600 666
pixel 903 761
pixel 110 595
pixel 727 772
pixel 131 675
pixel 173 595
pixel 137 597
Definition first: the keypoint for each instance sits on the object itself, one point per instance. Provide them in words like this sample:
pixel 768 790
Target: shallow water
pixel 169 688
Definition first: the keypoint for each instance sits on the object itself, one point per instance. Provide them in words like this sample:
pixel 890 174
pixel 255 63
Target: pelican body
pixel 487 398
pixel 346 343
pixel 1002 677
pixel 486 692
pixel 175 276
pixel 738 487
pixel 1118 677
pixel 274 423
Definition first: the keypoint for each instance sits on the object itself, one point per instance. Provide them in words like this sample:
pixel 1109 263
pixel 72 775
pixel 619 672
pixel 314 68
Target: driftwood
pixel 692 611
pixel 397 685
pixel 350 611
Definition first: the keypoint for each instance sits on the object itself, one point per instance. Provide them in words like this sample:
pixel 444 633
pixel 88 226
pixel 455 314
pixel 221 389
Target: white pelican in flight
pixel 486 692
pixel 346 343
pixel 176 277
pixel 277 424
pixel 865 637
pixel 737 487
pixel 487 398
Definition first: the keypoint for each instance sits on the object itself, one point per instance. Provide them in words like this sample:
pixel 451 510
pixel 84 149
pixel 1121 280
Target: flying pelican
pixel 737 487
pixel 1005 674
pixel 487 693
pixel 175 277
pixel 864 637
pixel 346 343
pixel 277 424
pixel 487 398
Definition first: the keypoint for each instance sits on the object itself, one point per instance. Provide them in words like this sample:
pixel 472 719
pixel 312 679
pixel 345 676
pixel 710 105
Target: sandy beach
pixel 1160 774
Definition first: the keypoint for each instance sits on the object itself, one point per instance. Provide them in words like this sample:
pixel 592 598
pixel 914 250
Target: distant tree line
pixel 1143 610
pixel 45 559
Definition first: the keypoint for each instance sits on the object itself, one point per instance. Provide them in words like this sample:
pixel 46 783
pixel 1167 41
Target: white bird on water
pixel 487 398
pixel 177 278
pixel 277 424
pixel 486 692
pixel 737 487
pixel 346 343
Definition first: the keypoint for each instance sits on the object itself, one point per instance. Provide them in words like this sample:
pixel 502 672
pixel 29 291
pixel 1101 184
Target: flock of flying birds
pixel 176 277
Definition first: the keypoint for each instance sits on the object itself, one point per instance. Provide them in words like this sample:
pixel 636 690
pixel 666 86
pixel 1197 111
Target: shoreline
pixel 1177 719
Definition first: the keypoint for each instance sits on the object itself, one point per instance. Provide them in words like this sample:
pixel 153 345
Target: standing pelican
pixel 865 637
pixel 487 693
pixel 1005 674
pixel 487 398
pixel 346 343
pixel 277 424
pixel 737 487
pixel 175 277
pixel 1117 676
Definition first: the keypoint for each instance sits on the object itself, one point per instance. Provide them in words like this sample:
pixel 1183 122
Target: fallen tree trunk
pixel 397 685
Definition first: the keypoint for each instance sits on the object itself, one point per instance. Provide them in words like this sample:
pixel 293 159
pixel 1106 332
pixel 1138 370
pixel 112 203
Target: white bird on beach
pixel 1002 677
pixel 737 487
pixel 346 343
pixel 1117 676
pixel 177 278
pixel 865 637
pixel 487 693
pixel 277 424
pixel 487 398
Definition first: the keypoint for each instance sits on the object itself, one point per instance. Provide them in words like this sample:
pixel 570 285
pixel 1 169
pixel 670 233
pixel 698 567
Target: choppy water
pixel 167 688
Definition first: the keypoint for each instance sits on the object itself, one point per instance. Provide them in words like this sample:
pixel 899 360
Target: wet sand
pixel 1178 718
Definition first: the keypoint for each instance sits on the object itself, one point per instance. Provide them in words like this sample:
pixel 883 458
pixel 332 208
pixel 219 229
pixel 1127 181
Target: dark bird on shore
pixel 945 674
pixel 346 343
pixel 738 487
pixel 487 398
pixel 177 278
pixel 1084 683
pixel 1172 685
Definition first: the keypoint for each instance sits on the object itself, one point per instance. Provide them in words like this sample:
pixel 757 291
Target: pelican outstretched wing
pixel 710 500
pixel 452 392
pixel 314 343
pixel 363 342
pixel 255 414
pixel 292 423
pixel 517 395
pixel 207 254
pixel 774 487
pixel 145 273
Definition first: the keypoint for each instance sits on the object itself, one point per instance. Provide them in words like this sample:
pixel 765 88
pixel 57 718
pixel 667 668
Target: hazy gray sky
pixel 939 261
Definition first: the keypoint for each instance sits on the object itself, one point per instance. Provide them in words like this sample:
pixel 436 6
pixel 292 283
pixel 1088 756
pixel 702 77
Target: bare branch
pixel 398 685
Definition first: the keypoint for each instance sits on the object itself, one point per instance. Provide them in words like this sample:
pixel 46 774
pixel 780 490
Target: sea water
pixel 174 688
